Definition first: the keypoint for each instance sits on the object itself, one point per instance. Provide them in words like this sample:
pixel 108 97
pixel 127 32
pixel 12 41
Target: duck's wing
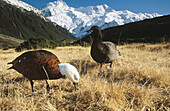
pixel 110 46
pixel 113 52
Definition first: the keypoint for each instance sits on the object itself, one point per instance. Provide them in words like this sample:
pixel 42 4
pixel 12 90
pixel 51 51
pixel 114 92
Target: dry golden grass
pixel 138 81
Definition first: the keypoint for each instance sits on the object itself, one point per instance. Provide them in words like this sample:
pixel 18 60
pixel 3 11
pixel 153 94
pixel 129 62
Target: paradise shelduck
pixel 44 65
pixel 102 51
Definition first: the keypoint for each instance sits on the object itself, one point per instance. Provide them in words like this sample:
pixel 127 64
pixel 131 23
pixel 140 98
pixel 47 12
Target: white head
pixel 70 71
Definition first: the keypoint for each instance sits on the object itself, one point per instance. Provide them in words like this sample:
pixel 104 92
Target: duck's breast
pixel 99 52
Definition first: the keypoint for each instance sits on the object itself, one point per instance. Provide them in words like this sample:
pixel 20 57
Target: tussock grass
pixel 138 81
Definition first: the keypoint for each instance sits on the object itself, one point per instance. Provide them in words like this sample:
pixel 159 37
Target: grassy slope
pixel 139 80
pixel 8 41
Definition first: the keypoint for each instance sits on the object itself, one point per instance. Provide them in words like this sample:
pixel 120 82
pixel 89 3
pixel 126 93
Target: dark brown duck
pixel 43 65
pixel 102 51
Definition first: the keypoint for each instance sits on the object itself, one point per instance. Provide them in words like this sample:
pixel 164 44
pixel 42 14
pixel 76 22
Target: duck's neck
pixel 97 40
pixel 97 37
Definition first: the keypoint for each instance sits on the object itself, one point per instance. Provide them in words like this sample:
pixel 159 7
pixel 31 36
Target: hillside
pixel 23 24
pixel 154 30
pixel 8 41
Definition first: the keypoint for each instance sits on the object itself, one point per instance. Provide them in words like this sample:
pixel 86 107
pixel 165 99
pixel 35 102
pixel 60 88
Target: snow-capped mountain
pixel 79 20
pixel 24 6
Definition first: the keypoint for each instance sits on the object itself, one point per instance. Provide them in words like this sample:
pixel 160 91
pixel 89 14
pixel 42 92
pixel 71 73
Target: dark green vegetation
pixel 23 24
pixel 156 30
pixel 34 43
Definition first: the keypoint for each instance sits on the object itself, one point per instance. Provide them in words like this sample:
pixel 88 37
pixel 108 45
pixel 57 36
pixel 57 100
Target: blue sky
pixel 136 6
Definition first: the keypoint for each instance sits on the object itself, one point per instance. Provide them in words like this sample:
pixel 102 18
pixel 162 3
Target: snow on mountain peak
pixel 56 4
pixel 60 2
pixel 23 5
pixel 79 20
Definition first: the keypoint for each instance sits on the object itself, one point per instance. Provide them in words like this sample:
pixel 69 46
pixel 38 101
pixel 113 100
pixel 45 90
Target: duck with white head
pixel 70 72
pixel 44 65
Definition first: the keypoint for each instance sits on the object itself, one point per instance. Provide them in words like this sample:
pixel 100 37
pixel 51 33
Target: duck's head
pixel 94 29
pixel 70 72
pixel 95 32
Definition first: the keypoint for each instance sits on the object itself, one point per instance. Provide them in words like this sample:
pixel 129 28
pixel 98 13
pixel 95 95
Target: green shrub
pixel 35 43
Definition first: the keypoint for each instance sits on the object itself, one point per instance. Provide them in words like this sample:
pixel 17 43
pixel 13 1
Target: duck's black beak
pixel 76 86
pixel 11 66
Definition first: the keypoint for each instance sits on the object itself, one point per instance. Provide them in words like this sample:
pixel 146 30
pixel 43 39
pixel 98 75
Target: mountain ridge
pixel 155 30
pixel 79 20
